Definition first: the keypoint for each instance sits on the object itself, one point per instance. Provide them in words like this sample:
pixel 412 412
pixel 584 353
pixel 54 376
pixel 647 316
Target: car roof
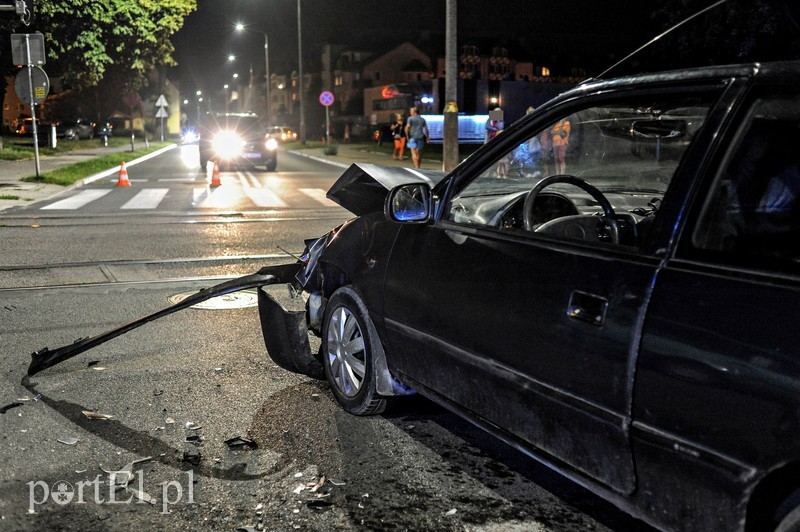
pixel 776 70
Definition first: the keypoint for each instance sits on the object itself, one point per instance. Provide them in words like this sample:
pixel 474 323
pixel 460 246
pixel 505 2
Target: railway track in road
pixel 50 276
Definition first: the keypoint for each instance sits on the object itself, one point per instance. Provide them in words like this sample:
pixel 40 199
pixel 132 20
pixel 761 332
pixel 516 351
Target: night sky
pixel 600 30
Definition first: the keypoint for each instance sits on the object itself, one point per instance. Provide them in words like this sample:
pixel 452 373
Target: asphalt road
pixel 179 388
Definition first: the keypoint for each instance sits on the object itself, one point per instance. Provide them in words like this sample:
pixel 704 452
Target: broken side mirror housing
pixel 410 203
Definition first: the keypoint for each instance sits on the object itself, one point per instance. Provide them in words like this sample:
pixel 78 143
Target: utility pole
pixel 450 147
pixel 301 81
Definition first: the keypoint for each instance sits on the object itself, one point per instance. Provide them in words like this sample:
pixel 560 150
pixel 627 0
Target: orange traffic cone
pixel 215 181
pixel 123 176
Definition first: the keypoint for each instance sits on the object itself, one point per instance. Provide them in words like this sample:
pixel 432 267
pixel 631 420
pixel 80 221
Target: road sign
pixel 326 98
pixel 19 48
pixel 40 85
pixel 162 113
pixel 161 102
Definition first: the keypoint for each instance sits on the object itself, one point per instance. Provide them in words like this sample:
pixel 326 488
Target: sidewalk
pixel 12 172
pixel 363 153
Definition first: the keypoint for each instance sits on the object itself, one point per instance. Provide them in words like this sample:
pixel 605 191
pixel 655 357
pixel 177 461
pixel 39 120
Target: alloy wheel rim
pixel 346 352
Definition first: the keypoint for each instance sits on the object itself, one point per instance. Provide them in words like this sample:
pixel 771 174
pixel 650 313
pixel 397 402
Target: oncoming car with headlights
pixel 236 138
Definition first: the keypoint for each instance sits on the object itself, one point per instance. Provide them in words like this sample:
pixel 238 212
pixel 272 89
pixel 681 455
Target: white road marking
pixel 318 195
pixel 148 198
pixel 263 197
pixel 78 200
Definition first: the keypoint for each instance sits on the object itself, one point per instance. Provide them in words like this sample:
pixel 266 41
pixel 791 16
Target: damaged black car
pixel 611 286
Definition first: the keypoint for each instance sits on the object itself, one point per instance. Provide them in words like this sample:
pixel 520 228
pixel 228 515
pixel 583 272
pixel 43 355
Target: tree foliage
pixel 735 32
pixel 85 39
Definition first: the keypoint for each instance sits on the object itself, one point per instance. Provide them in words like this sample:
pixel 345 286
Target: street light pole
pixel 269 81
pixel 301 81
pixel 450 142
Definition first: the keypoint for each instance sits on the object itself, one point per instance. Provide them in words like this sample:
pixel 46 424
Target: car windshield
pixel 626 148
pixel 628 151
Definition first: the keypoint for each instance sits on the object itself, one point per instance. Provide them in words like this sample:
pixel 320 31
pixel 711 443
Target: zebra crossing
pixel 239 190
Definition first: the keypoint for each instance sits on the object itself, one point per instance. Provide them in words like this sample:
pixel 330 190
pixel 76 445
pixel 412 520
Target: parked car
pixel 236 138
pixel 75 129
pixel 25 127
pixel 104 129
pixel 282 133
pixel 610 286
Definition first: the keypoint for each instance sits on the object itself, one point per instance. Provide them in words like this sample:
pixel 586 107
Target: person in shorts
pixel 416 133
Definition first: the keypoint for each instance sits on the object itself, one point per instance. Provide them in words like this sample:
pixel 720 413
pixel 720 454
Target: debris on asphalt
pixel 169 421
pixel 120 478
pixel 4 409
pixel 450 512
pixel 191 425
pixel 96 415
pixel 240 441
pixel 156 393
pixel 196 439
pixel 141 495
pixel 191 456
pixel 218 370
pixel 38 397
pixel 23 399
pixel 92 363
pixel 68 440
pixel 319 505
pixel 314 487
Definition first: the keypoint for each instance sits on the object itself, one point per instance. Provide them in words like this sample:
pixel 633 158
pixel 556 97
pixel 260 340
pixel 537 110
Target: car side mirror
pixel 409 203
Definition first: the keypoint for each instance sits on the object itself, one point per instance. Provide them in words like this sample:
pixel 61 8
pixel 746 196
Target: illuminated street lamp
pixel 241 27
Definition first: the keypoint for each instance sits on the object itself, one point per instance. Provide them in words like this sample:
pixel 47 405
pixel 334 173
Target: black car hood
pixel 362 188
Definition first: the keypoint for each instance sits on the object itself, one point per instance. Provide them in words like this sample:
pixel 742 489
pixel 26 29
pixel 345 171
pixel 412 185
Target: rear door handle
pixel 587 307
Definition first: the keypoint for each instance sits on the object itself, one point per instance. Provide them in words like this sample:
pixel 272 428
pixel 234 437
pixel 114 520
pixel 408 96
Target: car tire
pixel 271 166
pixel 349 346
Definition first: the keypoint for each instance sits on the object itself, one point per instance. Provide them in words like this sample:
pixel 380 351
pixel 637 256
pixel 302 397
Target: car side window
pixel 753 214
pixel 597 174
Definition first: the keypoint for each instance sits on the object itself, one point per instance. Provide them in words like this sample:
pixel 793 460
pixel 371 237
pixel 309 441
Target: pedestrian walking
pixel 416 135
pixel 399 136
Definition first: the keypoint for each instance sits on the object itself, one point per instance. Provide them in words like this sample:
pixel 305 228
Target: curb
pixel 317 158
pixel 110 171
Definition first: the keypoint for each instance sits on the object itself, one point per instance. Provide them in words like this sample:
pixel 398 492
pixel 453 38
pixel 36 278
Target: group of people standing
pixel 412 134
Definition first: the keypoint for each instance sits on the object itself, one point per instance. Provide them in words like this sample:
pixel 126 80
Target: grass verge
pixel 70 174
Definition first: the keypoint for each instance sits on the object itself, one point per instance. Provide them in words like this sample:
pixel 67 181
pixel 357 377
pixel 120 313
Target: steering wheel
pixel 580 221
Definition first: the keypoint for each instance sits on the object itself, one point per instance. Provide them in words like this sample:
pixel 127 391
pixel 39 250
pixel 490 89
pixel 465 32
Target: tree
pixel 87 38
pixel 737 31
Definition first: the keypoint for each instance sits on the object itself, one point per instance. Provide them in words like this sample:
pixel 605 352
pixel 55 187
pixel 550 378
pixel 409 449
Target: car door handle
pixel 587 307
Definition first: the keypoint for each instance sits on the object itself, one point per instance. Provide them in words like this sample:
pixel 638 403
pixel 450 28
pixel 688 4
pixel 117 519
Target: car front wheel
pixel 349 346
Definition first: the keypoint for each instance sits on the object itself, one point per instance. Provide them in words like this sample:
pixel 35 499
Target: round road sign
pixel 326 98
pixel 41 85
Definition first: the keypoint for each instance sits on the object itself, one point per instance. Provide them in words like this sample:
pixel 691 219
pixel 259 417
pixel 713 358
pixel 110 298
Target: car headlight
pixel 190 137
pixel 228 144
pixel 272 144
